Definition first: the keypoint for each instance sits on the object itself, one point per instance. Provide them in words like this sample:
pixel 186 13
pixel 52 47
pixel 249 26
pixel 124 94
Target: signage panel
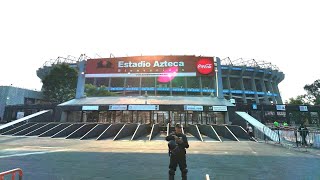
pixel 143 107
pixel 117 107
pixel 254 106
pixel 281 107
pixel 193 108
pixel 303 108
pixel 150 66
pixel 219 108
pixel 90 108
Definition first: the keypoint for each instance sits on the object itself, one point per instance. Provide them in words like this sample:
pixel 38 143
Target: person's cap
pixel 178 125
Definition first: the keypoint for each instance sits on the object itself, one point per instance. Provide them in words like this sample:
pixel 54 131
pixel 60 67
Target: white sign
pixel 233 101
pixel 303 108
pixel 20 115
pixel 219 108
pixel 143 107
pixel 90 108
pixel 281 107
pixel 117 107
pixel 193 108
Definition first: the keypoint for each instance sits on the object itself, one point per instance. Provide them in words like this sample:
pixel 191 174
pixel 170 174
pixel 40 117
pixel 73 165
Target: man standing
pixel 250 132
pixel 177 151
pixel 303 130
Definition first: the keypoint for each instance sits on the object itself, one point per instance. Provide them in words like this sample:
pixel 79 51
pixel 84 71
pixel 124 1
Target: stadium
pixel 246 81
pixel 152 93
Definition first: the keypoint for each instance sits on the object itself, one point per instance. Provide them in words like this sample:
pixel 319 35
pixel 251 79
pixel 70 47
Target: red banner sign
pixel 138 66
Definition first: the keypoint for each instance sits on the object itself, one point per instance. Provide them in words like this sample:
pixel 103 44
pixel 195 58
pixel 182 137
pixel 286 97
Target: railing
pixel 292 137
pixel 13 174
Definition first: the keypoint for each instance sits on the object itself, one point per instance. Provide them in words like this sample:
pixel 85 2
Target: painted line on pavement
pixel 31 153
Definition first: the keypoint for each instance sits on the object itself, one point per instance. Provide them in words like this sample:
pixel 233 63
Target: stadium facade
pixel 245 81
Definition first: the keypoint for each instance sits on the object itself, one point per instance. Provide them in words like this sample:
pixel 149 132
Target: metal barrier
pixel 292 137
pixel 13 174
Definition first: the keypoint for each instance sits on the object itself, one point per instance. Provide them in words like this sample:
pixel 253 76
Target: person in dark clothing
pixel 303 130
pixel 178 143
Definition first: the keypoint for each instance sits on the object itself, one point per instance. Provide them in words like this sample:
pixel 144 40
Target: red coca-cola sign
pixel 205 66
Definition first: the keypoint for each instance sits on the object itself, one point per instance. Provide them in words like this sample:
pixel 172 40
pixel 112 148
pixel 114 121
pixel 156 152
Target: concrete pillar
pixel 254 87
pixel 272 91
pixel 186 85
pixel 81 80
pixel 244 98
pixel 200 82
pixel 229 84
pixel 170 88
pixel 219 79
pixel 276 90
pixel 124 86
pixel 263 85
pixel 95 81
pixel 140 85
pixel 64 116
pixel 109 85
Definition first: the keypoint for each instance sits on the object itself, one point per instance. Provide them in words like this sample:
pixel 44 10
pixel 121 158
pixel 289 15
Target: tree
pixel 313 92
pixel 298 100
pixel 93 91
pixel 60 84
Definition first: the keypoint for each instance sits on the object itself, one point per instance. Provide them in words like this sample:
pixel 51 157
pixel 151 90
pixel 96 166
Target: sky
pixel 285 33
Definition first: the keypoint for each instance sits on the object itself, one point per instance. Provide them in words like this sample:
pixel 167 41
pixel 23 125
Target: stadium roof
pixel 249 63
pixel 157 100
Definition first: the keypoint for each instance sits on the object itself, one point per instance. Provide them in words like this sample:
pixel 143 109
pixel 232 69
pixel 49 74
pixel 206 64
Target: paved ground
pixel 60 159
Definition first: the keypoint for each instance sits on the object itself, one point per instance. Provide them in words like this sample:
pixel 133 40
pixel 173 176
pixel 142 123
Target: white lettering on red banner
pixel 205 66
pixel 122 64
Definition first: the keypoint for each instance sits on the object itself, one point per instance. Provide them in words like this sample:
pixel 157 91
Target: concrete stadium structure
pixel 246 81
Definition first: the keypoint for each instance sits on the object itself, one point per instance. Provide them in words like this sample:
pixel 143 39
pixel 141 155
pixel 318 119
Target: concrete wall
pixel 12 96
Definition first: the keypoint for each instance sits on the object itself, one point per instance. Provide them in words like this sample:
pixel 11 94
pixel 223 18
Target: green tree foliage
pixel 60 83
pixel 298 100
pixel 313 92
pixel 93 91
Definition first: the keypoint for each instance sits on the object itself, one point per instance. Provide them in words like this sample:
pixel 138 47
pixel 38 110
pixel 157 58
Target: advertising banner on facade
pixel 143 107
pixel 219 108
pixel 90 108
pixel 150 66
pixel 117 107
pixel 193 108
pixel 281 107
pixel 303 108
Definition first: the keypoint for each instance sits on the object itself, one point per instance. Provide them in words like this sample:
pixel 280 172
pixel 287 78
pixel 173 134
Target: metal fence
pixel 292 137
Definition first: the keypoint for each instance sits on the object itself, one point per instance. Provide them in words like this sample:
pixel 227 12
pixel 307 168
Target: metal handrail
pixel 13 174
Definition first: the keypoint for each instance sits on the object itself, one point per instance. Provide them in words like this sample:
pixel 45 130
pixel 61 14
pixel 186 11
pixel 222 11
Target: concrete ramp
pixel 22 120
pixel 81 131
pixel 209 131
pixel 95 131
pixel 142 130
pixel 194 131
pixel 42 129
pixel 54 130
pixel 111 131
pixel 154 131
pixel 225 133
pixel 68 130
pixel 10 128
pixel 28 130
pixel 125 131
pixel 19 128
pixel 258 125
pixel 239 132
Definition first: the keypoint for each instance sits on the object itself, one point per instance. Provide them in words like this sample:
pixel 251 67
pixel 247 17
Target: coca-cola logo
pixel 205 66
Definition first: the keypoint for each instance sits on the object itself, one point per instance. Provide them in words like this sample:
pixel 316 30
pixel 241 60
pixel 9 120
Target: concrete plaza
pixel 61 159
